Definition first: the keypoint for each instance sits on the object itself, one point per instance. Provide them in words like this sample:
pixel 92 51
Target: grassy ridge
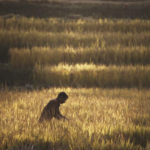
pixel 116 119
pixel 11 39
pixel 116 55
pixel 81 24
pixel 32 32
pixel 35 38
pixel 89 75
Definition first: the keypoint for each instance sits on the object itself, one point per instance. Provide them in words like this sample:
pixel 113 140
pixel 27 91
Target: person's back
pixel 49 110
pixel 52 108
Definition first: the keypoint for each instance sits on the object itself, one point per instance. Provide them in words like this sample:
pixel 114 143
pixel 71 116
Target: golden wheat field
pixel 102 64
pixel 86 52
pixel 110 119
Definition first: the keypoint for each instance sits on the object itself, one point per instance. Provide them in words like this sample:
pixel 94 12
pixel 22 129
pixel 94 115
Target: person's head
pixel 62 97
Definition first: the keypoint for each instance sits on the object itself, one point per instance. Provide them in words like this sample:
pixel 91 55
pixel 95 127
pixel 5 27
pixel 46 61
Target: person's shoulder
pixel 53 101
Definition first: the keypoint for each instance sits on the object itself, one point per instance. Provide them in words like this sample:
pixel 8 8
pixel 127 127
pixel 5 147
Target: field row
pixel 16 38
pixel 80 24
pixel 21 38
pixel 90 75
pixel 25 57
pixel 78 75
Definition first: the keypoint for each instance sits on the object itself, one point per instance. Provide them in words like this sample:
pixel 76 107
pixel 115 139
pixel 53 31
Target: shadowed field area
pixel 96 9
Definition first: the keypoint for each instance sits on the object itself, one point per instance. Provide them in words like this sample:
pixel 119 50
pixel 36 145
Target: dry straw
pixel 116 119
pixel 116 55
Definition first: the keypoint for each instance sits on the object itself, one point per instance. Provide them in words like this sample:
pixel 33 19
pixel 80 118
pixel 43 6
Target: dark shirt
pixel 51 110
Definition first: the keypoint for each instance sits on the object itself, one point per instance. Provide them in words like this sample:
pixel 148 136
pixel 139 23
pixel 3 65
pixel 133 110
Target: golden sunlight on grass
pixel 98 119
pixel 88 75
pixel 79 53
pixel 116 55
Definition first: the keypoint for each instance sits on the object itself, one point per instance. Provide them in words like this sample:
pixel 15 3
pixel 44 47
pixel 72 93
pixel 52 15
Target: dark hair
pixel 63 94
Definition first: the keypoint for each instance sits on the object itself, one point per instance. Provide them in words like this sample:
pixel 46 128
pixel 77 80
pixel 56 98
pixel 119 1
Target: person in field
pixel 52 108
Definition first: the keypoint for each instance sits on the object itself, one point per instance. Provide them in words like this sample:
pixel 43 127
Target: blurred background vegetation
pixel 110 52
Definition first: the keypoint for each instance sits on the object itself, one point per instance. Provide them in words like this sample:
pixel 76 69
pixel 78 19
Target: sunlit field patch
pixel 16 38
pixel 98 119
pixel 90 75
pixel 97 54
pixel 75 25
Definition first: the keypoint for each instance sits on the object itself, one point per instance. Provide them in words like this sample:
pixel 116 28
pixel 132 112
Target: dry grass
pixel 57 32
pixel 120 46
pixel 90 75
pixel 16 38
pixel 81 24
pixel 114 55
pixel 81 52
pixel 114 119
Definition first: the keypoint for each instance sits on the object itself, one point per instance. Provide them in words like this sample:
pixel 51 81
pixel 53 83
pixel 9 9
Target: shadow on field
pixel 142 121
pixel 137 139
pixel 37 145
pixel 62 8
pixel 11 76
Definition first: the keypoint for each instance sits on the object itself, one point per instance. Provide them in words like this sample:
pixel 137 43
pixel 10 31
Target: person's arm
pixel 59 116
pixel 63 116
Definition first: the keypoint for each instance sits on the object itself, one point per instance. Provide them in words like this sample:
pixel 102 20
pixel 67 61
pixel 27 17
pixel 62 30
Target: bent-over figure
pixel 52 108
